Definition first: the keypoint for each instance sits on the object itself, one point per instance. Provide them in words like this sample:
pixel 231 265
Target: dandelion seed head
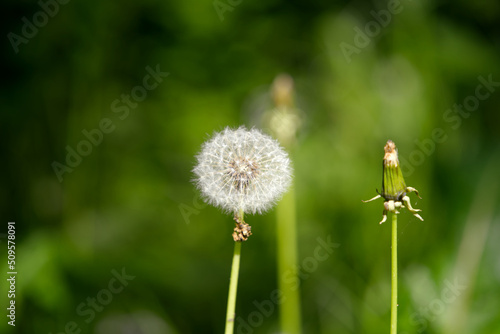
pixel 242 170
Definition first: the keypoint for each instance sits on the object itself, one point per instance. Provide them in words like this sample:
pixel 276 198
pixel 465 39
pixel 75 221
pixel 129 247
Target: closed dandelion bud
pixel 242 171
pixel 394 188
pixel 393 183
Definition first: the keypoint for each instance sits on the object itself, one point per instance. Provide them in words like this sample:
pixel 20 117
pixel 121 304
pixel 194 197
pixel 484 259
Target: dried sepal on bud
pixel 394 189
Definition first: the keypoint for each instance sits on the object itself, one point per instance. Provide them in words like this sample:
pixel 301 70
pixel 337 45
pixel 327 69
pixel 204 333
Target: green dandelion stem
pixel 233 286
pixel 290 317
pixel 394 275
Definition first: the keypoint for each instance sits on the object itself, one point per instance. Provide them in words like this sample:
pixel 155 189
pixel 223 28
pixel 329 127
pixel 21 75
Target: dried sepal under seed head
pixel 242 230
pixel 242 170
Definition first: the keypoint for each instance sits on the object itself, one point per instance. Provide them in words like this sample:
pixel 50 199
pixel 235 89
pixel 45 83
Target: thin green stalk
pixel 290 319
pixel 233 287
pixel 394 275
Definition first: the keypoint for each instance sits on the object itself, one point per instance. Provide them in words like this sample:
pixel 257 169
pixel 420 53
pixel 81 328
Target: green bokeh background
pixel 122 205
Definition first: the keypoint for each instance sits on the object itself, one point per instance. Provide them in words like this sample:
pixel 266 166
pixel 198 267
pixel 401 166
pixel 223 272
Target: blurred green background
pixel 130 205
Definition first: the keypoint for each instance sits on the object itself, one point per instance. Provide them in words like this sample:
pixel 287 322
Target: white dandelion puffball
pixel 242 170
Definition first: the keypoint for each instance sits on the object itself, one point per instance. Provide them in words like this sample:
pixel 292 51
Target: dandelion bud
pixel 394 189
pixel 393 183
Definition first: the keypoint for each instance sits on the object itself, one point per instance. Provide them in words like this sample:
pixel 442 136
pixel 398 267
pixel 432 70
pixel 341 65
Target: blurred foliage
pixel 122 205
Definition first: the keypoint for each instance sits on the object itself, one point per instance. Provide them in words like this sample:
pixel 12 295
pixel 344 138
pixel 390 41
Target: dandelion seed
pixel 242 170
